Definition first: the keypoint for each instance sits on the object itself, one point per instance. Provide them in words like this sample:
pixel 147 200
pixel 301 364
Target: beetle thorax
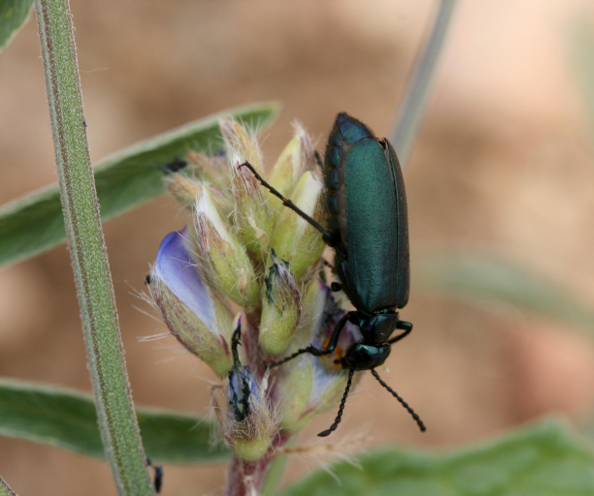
pixel 376 328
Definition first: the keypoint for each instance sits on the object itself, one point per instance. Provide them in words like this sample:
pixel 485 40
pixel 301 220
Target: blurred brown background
pixel 503 164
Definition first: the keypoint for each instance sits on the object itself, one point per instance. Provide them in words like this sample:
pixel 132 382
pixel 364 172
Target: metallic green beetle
pixel 368 229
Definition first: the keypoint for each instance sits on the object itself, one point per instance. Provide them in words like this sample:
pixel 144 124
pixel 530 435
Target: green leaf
pixel 543 460
pixel 13 15
pixel 483 280
pixel 125 180
pixel 67 419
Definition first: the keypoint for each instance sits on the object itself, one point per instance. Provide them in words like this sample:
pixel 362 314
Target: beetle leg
pixel 337 330
pixel 327 235
pixel 319 160
pixel 312 350
pixel 406 326
pixel 322 274
pixel 158 480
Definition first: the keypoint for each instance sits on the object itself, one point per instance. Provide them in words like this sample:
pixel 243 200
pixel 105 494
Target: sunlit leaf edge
pixel 33 224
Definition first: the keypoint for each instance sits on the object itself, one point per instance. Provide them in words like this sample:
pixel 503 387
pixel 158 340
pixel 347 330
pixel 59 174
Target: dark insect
pixel 175 166
pixel 368 229
pixel 158 480
pixel 240 380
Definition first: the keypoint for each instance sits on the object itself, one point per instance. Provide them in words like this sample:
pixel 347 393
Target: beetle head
pixel 365 356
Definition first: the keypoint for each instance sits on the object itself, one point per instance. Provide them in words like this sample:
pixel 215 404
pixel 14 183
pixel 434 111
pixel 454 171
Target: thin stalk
pixel 415 96
pixel 273 476
pixel 5 489
pixel 113 399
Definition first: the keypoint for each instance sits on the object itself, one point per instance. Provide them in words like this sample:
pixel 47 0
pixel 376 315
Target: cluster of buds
pixel 245 253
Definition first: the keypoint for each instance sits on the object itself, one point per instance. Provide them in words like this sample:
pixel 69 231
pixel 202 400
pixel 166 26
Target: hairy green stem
pixel 5 489
pixel 113 399
pixel 415 96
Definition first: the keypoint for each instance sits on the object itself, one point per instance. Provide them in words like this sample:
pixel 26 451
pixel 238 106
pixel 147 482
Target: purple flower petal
pixel 176 268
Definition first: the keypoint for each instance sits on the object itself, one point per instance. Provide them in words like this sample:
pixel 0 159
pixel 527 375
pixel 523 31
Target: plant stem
pixel 274 474
pixel 415 96
pixel 5 489
pixel 113 399
pixel 245 478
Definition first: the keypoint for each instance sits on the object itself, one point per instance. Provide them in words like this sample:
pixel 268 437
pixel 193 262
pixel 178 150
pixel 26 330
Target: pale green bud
pixel 327 391
pixel 239 142
pixel 328 379
pixel 295 383
pixel 247 423
pixel 281 308
pixel 222 257
pixel 253 215
pixel 298 156
pixel 185 190
pixel 313 304
pixel 294 239
pixel 251 449
pixel 186 187
pixel 212 170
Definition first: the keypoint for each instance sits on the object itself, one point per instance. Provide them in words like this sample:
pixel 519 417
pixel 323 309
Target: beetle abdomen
pixel 367 216
pixel 344 134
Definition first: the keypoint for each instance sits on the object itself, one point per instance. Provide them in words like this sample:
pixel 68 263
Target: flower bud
pixel 196 317
pixel 294 239
pixel 210 169
pixel 295 385
pixel 248 425
pixel 281 308
pixel 238 141
pixel 328 379
pixel 222 257
pixel 185 190
pixel 253 215
pixel 186 187
pixel 314 303
pixel 298 156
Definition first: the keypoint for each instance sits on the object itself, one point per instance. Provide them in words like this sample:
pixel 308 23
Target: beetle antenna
pixel 333 427
pixel 327 235
pixel 402 402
